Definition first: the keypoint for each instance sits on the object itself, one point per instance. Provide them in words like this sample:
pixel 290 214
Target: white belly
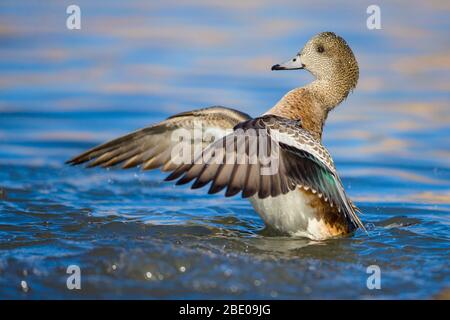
pixel 291 214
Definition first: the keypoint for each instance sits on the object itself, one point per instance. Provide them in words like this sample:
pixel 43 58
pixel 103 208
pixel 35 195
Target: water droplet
pixel 148 275
pixel 182 269
pixel 257 282
pixel 370 226
pixel 24 286
pixel 114 267
pixel 274 294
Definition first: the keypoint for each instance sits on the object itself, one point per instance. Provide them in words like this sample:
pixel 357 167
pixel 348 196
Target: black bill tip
pixel 277 67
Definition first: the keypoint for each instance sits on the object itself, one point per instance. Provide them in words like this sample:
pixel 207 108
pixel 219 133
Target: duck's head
pixel 329 58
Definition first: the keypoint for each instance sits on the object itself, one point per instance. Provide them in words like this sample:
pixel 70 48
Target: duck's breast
pixel 300 213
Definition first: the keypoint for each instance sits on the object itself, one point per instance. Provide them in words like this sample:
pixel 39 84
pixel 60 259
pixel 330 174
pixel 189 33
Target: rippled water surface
pixel 135 63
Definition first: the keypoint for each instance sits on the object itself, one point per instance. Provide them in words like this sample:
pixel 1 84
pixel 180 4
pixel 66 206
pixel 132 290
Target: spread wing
pixel 267 156
pixel 152 147
pixel 300 160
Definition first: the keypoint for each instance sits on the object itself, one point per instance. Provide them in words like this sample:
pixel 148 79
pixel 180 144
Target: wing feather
pixel 306 165
pixel 152 146
pixel 302 161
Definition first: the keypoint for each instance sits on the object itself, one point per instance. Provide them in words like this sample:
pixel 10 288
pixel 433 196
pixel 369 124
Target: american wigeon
pixel 304 195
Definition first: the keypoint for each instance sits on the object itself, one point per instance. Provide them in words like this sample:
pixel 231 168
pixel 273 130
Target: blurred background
pixel 134 63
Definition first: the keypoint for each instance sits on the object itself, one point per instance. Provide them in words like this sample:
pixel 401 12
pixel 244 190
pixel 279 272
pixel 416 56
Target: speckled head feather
pixel 328 57
pixel 333 64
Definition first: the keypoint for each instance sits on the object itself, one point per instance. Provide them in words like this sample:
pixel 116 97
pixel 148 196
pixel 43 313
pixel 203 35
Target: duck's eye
pixel 320 49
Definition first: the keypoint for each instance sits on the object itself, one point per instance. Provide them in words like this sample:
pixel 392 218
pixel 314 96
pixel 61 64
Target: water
pixel 134 236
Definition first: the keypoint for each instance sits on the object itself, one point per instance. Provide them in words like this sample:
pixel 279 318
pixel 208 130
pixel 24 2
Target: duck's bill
pixel 293 64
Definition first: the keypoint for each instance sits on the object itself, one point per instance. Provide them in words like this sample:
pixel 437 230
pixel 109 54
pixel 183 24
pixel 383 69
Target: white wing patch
pixel 303 140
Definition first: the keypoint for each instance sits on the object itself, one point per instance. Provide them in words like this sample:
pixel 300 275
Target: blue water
pixel 135 236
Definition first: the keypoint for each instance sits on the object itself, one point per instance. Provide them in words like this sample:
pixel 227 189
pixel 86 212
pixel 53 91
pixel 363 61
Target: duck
pixel 276 160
